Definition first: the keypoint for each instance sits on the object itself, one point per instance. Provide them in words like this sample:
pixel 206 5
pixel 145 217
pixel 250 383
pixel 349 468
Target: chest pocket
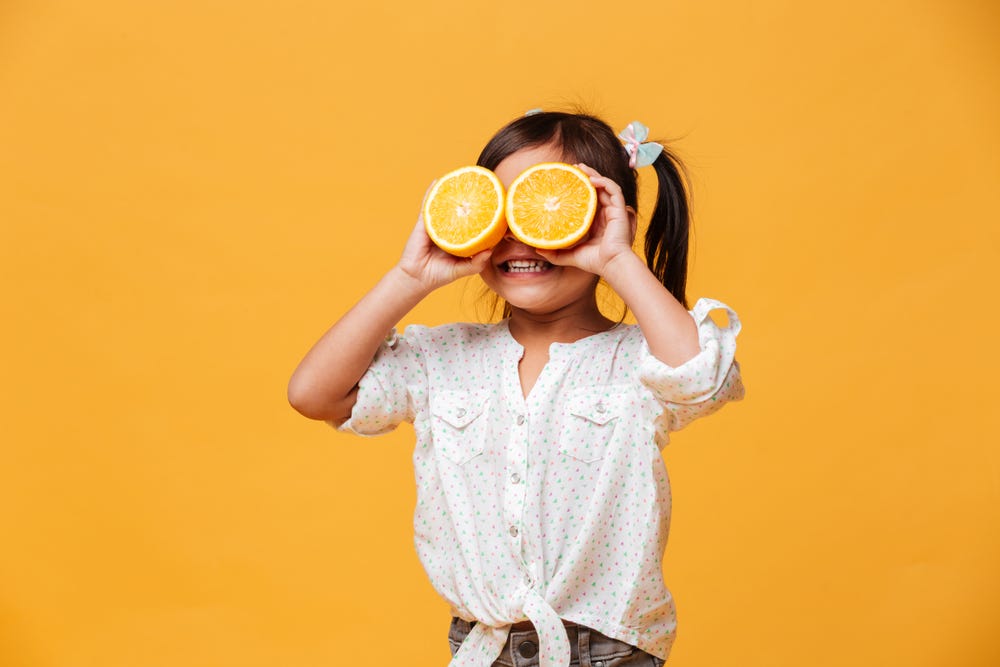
pixel 458 424
pixel 589 421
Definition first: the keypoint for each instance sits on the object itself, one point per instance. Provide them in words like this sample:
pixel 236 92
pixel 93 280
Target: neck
pixel 565 325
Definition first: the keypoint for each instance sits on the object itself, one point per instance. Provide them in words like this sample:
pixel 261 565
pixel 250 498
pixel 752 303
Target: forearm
pixel 324 384
pixel 670 332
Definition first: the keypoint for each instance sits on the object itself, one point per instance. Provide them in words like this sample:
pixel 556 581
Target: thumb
pixel 557 257
pixel 475 264
pixel 481 260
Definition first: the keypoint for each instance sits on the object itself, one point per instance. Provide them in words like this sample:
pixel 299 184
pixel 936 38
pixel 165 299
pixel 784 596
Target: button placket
pixel 521 438
pixel 514 491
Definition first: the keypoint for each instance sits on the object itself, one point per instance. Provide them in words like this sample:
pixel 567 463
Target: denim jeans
pixel 588 648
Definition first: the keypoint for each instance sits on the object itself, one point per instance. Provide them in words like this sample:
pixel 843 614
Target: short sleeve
pixel 702 384
pixel 391 389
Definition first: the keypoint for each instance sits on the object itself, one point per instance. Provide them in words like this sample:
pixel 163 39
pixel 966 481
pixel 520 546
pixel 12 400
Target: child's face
pixel 517 272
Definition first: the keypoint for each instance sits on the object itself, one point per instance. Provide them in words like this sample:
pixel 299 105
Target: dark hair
pixel 587 139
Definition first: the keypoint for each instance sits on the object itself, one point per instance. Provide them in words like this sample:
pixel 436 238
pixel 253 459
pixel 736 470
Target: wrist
pixel 620 267
pixel 406 284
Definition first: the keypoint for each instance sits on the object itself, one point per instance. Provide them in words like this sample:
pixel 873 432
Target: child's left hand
pixel 611 234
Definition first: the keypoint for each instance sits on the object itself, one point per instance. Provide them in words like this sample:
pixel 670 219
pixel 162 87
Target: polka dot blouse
pixel 555 505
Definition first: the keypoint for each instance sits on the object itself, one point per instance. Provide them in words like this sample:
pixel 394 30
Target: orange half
pixel 551 205
pixel 463 212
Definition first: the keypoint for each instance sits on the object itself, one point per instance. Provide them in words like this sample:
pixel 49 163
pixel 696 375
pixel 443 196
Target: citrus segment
pixel 551 205
pixel 463 212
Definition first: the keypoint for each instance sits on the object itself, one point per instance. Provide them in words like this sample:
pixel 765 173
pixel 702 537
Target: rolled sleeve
pixel 388 390
pixel 702 384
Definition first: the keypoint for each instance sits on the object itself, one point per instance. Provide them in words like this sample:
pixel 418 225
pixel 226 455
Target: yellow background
pixel 191 192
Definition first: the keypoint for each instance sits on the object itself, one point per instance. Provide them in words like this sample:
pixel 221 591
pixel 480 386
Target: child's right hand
pixel 325 384
pixel 432 267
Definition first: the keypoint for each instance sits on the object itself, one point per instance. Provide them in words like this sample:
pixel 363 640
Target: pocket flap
pixel 599 405
pixel 458 408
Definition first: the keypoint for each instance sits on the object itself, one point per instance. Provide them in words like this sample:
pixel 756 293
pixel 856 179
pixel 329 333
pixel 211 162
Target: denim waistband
pixel 588 648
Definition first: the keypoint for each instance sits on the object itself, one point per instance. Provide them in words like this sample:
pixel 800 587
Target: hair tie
pixel 532 112
pixel 641 152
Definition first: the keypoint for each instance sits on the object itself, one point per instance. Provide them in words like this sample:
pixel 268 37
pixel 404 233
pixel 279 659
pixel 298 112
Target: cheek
pixel 580 279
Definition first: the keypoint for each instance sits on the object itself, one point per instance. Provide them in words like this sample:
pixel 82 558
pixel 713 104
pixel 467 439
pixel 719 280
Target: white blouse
pixel 555 505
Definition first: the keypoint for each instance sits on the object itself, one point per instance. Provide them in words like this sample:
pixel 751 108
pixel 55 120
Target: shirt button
pixel 460 413
pixel 527 649
pixel 513 531
pixel 515 478
pixel 520 420
pixel 600 408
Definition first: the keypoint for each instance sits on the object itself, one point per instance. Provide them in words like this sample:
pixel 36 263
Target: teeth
pixel 525 265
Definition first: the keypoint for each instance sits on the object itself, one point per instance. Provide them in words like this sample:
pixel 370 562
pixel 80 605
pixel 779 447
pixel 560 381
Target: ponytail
pixel 587 139
pixel 667 232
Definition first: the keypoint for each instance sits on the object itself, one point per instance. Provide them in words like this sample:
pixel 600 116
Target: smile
pixel 525 266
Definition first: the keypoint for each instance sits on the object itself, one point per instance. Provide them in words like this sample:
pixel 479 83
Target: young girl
pixel 542 499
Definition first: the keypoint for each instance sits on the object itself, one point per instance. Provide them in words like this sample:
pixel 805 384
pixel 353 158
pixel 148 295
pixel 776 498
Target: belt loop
pixel 583 639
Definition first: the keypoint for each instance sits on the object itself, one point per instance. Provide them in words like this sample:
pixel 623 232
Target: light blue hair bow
pixel 641 152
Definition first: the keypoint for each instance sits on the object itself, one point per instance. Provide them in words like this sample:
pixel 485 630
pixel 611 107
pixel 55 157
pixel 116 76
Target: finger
pixel 603 184
pixel 606 184
pixel 416 239
pixel 419 234
pixel 420 213
pixel 606 199
pixel 427 192
pixel 423 201
pixel 610 195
